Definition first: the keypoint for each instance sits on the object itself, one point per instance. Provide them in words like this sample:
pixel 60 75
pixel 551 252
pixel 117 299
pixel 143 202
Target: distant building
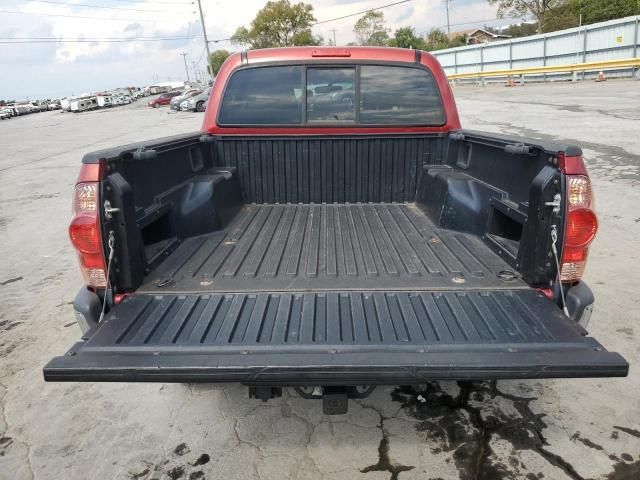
pixel 478 35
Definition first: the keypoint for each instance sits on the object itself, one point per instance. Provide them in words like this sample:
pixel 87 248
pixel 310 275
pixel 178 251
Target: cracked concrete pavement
pixel 551 429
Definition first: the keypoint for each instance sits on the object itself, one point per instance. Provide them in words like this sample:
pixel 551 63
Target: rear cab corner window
pixel 392 95
pixel 263 96
pixel 338 94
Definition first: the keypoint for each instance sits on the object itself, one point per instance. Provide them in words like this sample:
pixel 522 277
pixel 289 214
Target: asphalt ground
pixel 551 429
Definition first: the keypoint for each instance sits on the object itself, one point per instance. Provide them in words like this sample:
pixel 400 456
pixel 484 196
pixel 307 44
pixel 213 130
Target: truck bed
pixel 338 294
pixel 281 248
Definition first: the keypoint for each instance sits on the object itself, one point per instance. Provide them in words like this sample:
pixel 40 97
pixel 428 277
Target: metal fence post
pixel 544 56
pixel 455 61
pixel 482 63
pixel 584 48
pixel 510 54
pixel 635 48
pixel 635 38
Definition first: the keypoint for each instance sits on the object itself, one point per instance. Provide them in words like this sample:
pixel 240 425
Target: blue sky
pixel 43 70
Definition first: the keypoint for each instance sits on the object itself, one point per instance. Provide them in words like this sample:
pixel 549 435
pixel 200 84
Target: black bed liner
pixel 380 246
pixel 331 338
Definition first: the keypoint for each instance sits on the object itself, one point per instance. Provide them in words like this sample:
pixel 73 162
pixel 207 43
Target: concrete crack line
pixel 287 410
pixel 241 441
pixel 15 441
pixel 250 444
pixel 384 461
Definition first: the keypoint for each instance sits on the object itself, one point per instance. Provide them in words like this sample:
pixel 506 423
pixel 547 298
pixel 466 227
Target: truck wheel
pixel 200 107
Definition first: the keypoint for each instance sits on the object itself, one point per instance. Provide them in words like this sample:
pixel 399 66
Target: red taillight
pixel 85 234
pixel 582 226
pixel 581 223
pixel 84 230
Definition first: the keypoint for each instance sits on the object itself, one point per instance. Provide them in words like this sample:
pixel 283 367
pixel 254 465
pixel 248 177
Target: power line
pixel 519 17
pixel 157 1
pixel 362 12
pixel 92 40
pixel 202 55
pixel 84 5
pixel 126 39
pixel 77 16
pixel 26 40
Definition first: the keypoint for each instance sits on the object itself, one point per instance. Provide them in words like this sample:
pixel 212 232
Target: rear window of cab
pixel 309 95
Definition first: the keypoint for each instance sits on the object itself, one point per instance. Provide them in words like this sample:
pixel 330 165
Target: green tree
pixel 520 30
pixel 279 24
pixel 216 59
pixel 458 41
pixel 371 30
pixel 406 37
pixel 594 11
pixel 560 18
pixel 540 9
pixel 436 40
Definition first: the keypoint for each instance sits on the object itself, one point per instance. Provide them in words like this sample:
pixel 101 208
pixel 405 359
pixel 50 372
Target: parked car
pixel 163 99
pixel 54 105
pixel 364 243
pixel 175 102
pixel 8 112
pixel 198 103
pixel 5 115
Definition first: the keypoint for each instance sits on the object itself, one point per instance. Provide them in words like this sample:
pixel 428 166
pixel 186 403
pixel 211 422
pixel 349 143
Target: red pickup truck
pixel 332 228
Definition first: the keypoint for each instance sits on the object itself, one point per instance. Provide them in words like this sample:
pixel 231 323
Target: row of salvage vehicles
pixel 83 103
pixel 16 109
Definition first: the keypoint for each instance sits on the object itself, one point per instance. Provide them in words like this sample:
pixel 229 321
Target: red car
pixel 164 99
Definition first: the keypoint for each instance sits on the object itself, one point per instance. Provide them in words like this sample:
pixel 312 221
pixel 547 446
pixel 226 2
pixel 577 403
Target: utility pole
pixel 334 36
pixel 195 71
pixel 446 4
pixel 184 57
pixel 206 40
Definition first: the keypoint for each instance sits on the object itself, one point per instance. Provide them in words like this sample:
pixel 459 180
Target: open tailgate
pixel 335 338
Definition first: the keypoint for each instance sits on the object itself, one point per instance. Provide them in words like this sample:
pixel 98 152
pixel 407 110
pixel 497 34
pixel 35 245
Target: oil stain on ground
pixel 462 425
pixel 175 468
pixel 465 423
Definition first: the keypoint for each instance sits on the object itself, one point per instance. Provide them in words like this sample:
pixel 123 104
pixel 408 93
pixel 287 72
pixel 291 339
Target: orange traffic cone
pixel 600 77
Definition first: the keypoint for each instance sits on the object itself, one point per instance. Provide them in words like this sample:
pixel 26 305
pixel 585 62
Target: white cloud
pixel 47 69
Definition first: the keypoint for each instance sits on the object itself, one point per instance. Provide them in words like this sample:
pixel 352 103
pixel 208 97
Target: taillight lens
pixel 581 224
pixel 84 232
pixel 85 198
